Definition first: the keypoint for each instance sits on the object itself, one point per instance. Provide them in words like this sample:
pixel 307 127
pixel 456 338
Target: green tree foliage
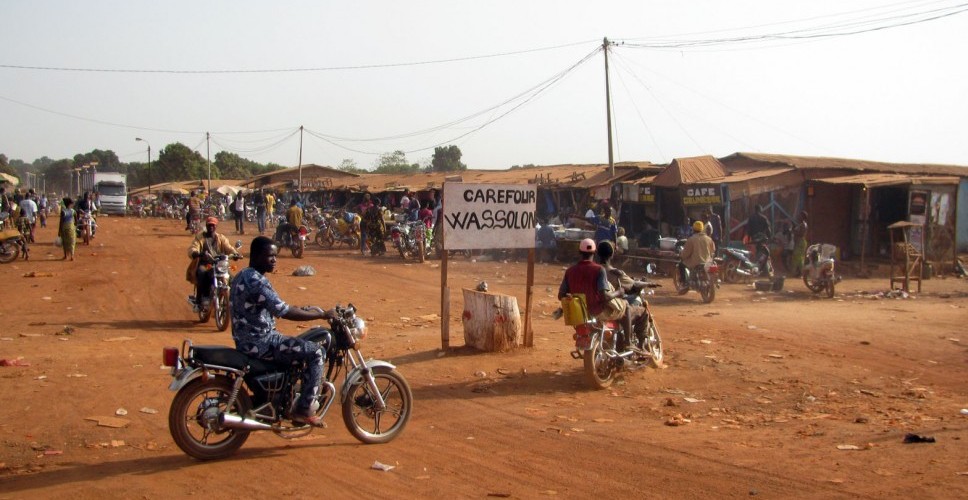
pixel 59 176
pixel 349 165
pixel 177 162
pixel 447 159
pixel 106 161
pixel 5 166
pixel 395 163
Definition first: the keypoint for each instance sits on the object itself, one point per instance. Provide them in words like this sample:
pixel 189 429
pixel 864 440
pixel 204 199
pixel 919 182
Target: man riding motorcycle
pixel 255 305
pixel 588 278
pixel 204 248
pixel 699 249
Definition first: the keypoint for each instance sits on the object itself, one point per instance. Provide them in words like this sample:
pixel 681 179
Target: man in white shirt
pixel 28 209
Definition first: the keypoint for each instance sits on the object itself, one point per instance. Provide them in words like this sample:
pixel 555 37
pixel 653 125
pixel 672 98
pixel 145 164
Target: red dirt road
pixel 766 387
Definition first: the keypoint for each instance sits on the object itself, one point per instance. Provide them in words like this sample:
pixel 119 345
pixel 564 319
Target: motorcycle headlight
pixel 358 329
pixel 222 266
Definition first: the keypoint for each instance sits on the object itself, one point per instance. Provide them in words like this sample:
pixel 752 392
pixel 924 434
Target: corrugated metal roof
pixel 698 169
pixel 886 179
pixel 568 175
pixel 815 162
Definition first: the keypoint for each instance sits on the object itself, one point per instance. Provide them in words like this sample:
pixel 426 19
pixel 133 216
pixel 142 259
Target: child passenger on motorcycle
pixel 586 277
pixel 620 280
pixel 204 248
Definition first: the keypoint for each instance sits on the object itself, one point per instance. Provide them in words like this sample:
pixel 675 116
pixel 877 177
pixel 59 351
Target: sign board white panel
pixel 489 216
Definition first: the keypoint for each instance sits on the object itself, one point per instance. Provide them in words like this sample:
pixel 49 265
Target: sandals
pixel 311 420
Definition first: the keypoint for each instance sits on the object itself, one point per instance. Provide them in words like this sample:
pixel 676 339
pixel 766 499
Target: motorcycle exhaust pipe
pixel 744 272
pixel 233 421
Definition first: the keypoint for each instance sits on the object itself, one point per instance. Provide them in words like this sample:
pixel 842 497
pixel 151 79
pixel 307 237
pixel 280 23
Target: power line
pixel 842 28
pixel 296 70
pixel 525 97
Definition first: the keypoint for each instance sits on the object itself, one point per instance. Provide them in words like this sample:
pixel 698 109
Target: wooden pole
pixel 299 185
pixel 608 110
pixel 444 289
pixel 529 297
pixel 865 215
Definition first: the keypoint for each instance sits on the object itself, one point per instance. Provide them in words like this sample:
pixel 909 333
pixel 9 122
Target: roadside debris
pixel 384 467
pixel 18 361
pixel 914 438
pixel 304 271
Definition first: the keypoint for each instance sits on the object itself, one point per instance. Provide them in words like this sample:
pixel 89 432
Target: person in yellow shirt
pixel 270 208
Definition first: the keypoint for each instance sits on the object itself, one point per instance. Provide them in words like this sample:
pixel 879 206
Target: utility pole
pixel 299 186
pixel 608 111
pixel 207 160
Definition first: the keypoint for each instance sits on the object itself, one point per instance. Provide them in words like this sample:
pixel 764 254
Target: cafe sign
pixel 702 195
pixel 646 194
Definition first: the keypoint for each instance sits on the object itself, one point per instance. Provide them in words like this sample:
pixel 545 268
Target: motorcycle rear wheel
pixel 320 239
pixel 707 289
pixel 830 288
pixel 8 251
pixel 369 425
pixel 297 251
pixel 599 370
pixel 193 419
pixel 222 311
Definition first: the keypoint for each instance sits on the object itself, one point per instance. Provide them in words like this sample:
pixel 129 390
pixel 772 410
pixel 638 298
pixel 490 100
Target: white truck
pixel 111 187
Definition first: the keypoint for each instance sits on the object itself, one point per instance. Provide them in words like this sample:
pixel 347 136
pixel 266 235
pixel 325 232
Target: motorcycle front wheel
pixel 681 288
pixel 653 343
pixel 193 419
pixel 729 274
pixel 222 310
pixel 372 426
pixel 814 286
pixel 8 251
pixel 599 370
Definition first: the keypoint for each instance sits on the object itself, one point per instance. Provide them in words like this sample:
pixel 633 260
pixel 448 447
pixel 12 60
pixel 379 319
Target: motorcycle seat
pixel 231 358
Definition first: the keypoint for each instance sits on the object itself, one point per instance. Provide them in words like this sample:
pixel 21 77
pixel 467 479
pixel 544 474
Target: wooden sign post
pixel 487 217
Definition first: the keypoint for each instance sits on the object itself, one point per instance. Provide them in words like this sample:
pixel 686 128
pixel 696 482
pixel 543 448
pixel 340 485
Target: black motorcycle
pixel 222 395
pixel 291 237
pixel 736 265
pixel 218 297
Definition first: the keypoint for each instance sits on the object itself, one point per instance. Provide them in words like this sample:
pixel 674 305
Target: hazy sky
pixel 682 84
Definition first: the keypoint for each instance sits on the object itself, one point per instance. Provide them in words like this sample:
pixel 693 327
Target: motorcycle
pixel 291 237
pixel 702 278
pixel 604 346
pixel 736 264
pixel 818 269
pixel 86 226
pixel 218 299
pixel 340 232
pixel 409 240
pixel 195 223
pixel 222 395
pixel 12 242
pixel 764 262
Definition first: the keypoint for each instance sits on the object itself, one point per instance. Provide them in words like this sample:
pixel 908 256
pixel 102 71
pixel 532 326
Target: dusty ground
pixel 779 382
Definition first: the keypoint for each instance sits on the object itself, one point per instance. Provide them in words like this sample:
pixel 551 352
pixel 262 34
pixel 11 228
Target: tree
pixel 349 165
pixel 106 161
pixel 5 166
pixel 447 159
pixel 178 163
pixel 395 163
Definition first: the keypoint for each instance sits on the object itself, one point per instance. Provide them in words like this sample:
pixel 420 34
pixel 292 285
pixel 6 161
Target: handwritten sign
pixel 488 216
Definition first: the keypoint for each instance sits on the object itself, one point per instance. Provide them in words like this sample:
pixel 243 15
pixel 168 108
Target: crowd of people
pixel 28 210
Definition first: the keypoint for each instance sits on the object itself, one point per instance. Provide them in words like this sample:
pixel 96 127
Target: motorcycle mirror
pixel 238 243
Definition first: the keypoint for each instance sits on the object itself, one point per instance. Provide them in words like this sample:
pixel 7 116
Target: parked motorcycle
pixel 736 265
pixel 222 395
pixel 12 242
pixel 340 233
pixel 218 299
pixel 409 238
pixel 291 237
pixel 818 269
pixel 764 261
pixel 605 347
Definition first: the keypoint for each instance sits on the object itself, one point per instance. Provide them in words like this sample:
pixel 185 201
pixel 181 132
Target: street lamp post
pixel 149 163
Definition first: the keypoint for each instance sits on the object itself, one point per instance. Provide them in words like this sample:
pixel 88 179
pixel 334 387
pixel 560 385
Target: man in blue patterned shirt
pixel 255 307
